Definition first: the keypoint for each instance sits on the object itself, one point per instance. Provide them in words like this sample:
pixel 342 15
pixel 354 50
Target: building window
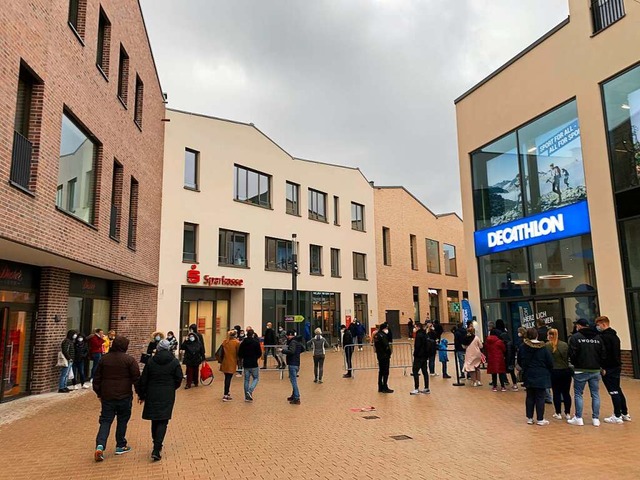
pixel 278 255
pixel 191 168
pixel 434 304
pixel 133 214
pixel 137 112
pixel 361 309
pixel 293 198
pixel 450 266
pixel 416 303
pixel 630 236
pixel 336 210
pixel 605 12
pixel 386 246
pixel 78 16
pixel 123 76
pixel 104 43
pixel 76 170
pixel 335 262
pixel 357 217
pixel 317 205
pixel 453 305
pixel 251 186
pixel 232 248
pixel 116 201
pixel 315 259
pixel 413 249
pixel 433 256
pixel 359 266
pixel 190 243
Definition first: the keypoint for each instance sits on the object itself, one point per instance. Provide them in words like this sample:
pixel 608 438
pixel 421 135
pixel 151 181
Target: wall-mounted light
pixel 56 318
pixel 123 317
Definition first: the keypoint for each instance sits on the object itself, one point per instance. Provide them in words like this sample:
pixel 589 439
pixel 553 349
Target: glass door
pixel 551 312
pixel 15 338
pixel 520 315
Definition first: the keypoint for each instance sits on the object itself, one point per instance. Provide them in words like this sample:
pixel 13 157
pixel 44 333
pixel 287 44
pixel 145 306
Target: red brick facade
pixel 37 34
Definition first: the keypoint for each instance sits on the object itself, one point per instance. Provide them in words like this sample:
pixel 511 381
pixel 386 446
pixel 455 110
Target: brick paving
pixel 456 432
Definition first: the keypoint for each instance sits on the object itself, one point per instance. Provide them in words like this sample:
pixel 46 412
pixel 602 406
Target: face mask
pixel 157 338
pixel 80 339
pixel 192 339
pixel 111 338
pixel 169 337
pixel 386 330
pixel 520 335
pixel 75 336
pixel 599 328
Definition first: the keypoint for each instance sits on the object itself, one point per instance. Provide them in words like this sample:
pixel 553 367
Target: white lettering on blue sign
pixel 525 231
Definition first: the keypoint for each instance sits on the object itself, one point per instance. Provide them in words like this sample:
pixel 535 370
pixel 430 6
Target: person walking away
pixel 114 378
pixel 459 334
pixel 156 389
pixel 560 375
pixel 347 344
pixel 443 356
pixel 229 362
pixel 173 342
pixel 250 352
pixel 433 335
pixel 423 347
pixel 292 350
pixel 510 353
pixel 536 363
pixel 96 345
pixel 79 360
pixel 473 356
pixel 68 349
pixel 319 346
pixel 269 341
pixel 383 352
pixel 587 354
pixel 496 350
pixel 192 358
pixel 611 368
pixel 410 328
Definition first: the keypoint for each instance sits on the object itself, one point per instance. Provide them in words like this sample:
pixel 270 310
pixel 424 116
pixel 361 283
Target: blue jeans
pixel 579 382
pixel 293 378
pixel 64 374
pixel 96 358
pixel 251 372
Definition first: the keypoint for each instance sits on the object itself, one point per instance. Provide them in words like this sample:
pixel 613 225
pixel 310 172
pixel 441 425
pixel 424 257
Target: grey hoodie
pixel 319 344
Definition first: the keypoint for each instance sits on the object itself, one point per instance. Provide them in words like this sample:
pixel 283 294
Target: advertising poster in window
pixel 633 107
pixel 505 193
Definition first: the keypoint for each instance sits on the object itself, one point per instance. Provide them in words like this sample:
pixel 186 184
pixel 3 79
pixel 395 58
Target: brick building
pixel 420 260
pixel 81 145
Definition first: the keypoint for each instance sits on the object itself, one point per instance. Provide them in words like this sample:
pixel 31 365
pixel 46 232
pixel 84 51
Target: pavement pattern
pixel 455 433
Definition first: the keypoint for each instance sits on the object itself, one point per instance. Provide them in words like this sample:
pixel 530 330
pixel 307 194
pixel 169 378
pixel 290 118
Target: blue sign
pixel 557 224
pixel 466 312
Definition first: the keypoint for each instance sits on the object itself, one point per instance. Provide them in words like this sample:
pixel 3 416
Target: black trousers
pixel 270 351
pixel 611 380
pixel 383 373
pixel 432 363
pixel 158 431
pixel 535 398
pixel 227 382
pixel 503 379
pixel 318 366
pixel 110 410
pixel 348 353
pixel 561 388
pixel 420 364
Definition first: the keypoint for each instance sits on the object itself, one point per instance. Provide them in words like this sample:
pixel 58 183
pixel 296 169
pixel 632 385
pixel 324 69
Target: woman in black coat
pixel 161 377
pixel 536 363
pixel 192 357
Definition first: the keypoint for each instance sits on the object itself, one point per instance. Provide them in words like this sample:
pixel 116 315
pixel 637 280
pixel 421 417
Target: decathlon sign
pixel 557 224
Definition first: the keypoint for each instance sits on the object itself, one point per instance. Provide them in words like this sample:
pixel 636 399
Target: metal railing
pixel 605 12
pixel 363 357
pixel 269 355
pixel 21 160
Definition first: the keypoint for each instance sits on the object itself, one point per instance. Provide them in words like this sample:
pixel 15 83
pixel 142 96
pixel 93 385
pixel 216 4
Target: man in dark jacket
pixel 161 377
pixel 424 347
pixel 270 339
pixel 293 350
pixel 250 352
pixel 347 344
pixel 410 325
pixel 587 354
pixel 383 352
pixel 611 368
pixel 115 376
pixel 459 334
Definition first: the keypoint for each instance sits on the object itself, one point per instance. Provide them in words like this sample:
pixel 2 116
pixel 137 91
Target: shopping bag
pixel 62 360
pixel 70 375
pixel 206 374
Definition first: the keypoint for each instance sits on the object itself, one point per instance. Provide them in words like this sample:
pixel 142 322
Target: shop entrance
pixel 209 311
pixel 15 342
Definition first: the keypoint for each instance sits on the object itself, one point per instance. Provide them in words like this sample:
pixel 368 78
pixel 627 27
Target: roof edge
pixel 153 58
pixel 400 187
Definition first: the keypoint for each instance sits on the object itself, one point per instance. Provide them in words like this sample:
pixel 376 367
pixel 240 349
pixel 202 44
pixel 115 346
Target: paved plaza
pixel 456 432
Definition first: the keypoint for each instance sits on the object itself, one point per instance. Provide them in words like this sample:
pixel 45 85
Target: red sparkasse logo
pixel 193 275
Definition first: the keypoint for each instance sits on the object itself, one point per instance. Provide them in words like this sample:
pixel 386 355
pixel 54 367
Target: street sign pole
pixel 294 276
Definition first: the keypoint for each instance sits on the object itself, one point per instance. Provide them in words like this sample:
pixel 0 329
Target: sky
pixel 363 83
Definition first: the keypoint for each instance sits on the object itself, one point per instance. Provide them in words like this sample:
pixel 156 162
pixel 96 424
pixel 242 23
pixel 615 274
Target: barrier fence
pixel 274 357
pixel 363 357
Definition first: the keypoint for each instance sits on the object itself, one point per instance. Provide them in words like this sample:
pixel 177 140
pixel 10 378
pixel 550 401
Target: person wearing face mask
pixel 79 360
pixel 192 358
pixel 383 352
pixel 108 340
pixel 173 342
pixel 153 345
pixel 96 348
pixel 68 350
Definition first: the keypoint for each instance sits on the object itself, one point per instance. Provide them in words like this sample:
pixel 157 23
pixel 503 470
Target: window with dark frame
pixel 416 303
pixel 116 200
pixel 71 195
pixel 413 249
pixel 315 259
pixel 317 205
pixel 278 255
pixel 104 43
pixel 357 217
pixel 293 198
pixel 189 243
pixel 386 246
pixel 433 256
pixel 336 210
pixel 251 186
pixel 137 113
pixel 359 266
pixel 335 262
pixel 450 266
pixel 123 76
pixel 191 168
pixel 78 16
pixel 133 214
pixel 232 248
pixel 605 13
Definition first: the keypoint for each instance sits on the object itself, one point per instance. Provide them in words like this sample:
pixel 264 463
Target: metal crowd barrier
pixel 272 363
pixel 363 357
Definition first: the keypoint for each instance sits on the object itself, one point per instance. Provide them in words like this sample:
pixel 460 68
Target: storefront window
pixel 630 231
pixel 361 308
pixel 505 274
pixel 88 305
pixel 584 306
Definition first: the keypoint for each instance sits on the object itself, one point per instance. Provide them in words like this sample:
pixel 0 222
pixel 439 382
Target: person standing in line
pixel 587 354
pixel 347 344
pixel 353 329
pixel 543 330
pixel 192 358
pixel 108 339
pixel 319 345
pixel 173 342
pixel 443 356
pixel 560 375
pixel 496 350
pixel 510 354
pixel 473 356
pixel 410 328
pixel 96 346
pixel 161 377
pixel 193 328
pixel 459 334
pixel 292 350
pixel 68 349
pixel 229 362
pixel 360 332
pixel 250 352
pixel 536 363
pixel 114 379
pixel 270 340
pixel 611 368
pixel 423 347
pixel 383 352
pixel 437 328
pixel 79 360
pixel 433 335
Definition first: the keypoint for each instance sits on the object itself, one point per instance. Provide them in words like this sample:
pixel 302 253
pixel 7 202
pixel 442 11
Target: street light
pixel 294 275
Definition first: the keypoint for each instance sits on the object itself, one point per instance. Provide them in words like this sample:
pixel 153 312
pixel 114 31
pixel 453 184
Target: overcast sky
pixel 364 83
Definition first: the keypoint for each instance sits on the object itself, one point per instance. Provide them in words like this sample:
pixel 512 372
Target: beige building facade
pixel 232 201
pixel 550 173
pixel 420 257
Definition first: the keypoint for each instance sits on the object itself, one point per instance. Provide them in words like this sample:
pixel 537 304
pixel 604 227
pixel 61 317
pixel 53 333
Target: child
pixel 443 356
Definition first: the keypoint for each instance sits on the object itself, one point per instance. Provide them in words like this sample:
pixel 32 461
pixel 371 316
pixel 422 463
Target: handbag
pixel 206 374
pixel 220 354
pixel 62 360
pixel 144 358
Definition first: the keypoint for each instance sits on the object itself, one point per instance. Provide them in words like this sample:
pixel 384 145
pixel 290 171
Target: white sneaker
pixel 575 421
pixel 613 419
pixel 596 422
pixel 542 423
pixel 426 391
pixel 432 374
pixel 557 416
pixel 414 392
pixel 626 418
pixel 567 416
pixel 86 385
pixel 529 421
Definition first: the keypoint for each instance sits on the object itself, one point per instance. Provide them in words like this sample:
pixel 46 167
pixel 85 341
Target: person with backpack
pixel 319 346
pixel 422 350
pixel 459 334
pixel 383 353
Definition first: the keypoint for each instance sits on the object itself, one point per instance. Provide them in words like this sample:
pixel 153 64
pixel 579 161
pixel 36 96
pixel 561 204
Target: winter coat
pixel 230 360
pixel 270 337
pixel 282 338
pixel 458 337
pixel 81 351
pixel 96 344
pixel 438 329
pixel 250 352
pixel 161 377
pixel 423 347
pixel 472 355
pixel 360 331
pixel 382 346
pixel 319 345
pixel 611 343
pixel 443 355
pixel 68 346
pixel 192 353
pixel 116 373
pixel 151 348
pixel 586 350
pixel 347 338
pixel 495 348
pixel 510 353
pixel 536 363
pixel 560 356
pixel 293 350
pixel 173 344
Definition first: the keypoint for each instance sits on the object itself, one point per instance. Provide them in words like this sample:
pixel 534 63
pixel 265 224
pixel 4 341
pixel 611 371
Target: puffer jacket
pixel 117 372
pixel 68 346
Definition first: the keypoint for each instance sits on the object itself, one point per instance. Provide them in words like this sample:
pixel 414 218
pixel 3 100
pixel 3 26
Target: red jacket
pixel 495 349
pixel 95 344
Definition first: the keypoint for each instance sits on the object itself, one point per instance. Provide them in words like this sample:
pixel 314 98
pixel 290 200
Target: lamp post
pixel 294 275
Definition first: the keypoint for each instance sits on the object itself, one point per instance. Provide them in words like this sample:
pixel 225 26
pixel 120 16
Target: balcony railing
pixel 605 12
pixel 113 225
pixel 21 160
